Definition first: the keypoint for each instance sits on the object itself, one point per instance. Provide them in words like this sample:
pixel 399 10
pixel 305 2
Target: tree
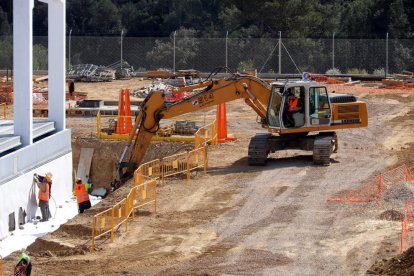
pixel 185 50
pixel 6 53
pixel 4 23
pixel 398 25
pixel 39 57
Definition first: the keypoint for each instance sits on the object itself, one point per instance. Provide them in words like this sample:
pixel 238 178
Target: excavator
pixel 310 126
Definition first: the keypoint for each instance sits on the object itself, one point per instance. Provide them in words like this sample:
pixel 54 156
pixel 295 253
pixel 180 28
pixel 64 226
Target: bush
pixel 333 71
pixel 39 57
pixel 379 72
pixel 243 65
pixel 356 71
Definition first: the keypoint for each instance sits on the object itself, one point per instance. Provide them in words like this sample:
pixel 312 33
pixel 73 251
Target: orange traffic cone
pixel 221 118
pixel 124 125
pixel 128 118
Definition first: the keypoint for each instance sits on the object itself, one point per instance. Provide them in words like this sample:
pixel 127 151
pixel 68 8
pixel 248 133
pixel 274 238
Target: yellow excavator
pixel 296 114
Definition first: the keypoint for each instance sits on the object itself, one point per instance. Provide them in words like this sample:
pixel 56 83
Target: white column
pixel 23 66
pixel 56 61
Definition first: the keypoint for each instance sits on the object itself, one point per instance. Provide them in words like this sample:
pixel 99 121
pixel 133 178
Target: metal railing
pixel 206 135
pixel 146 171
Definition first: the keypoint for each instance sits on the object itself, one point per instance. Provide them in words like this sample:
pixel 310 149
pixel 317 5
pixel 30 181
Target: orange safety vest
pixel 293 103
pixel 81 193
pixel 44 195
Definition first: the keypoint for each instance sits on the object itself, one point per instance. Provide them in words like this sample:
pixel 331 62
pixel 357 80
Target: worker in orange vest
pixel 82 196
pixel 44 184
pixel 293 103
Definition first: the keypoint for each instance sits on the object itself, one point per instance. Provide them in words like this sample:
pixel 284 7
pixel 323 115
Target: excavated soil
pixel 399 193
pixel 107 153
pixel 402 264
pixel 272 220
pixel 393 215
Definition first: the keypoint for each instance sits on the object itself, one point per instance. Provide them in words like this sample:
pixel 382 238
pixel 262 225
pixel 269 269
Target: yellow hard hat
pixel 78 180
pixel 49 176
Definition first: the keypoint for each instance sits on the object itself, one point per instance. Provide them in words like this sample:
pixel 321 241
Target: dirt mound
pixel 402 264
pixel 399 193
pixel 76 230
pixel 391 215
pixel 45 248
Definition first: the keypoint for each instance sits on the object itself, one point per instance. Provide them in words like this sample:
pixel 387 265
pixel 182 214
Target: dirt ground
pixel 272 220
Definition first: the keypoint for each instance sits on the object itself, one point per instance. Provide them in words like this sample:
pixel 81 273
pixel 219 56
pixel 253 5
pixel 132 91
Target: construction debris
pixel 40 79
pixel 404 79
pixel 178 128
pixel 122 69
pixel 185 127
pixel 166 131
pixel 95 73
pixel 91 73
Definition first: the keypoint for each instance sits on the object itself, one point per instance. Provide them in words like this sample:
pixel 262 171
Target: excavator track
pixel 259 149
pixel 322 149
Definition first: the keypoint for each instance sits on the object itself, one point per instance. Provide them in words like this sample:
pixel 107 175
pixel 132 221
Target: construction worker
pixel 293 103
pixel 89 185
pixel 82 196
pixel 23 266
pixel 44 183
pixel 71 88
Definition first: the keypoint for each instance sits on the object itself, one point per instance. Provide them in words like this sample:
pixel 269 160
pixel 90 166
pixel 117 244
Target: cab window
pixel 274 107
pixel 319 109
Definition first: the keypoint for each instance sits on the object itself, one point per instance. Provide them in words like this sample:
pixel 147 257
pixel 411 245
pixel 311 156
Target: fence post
pixel 126 214
pixel 155 198
pixel 380 188
pixel 93 234
pixel 112 224
pixel 98 125
pixel 205 160
pixel 162 172
pixel 188 166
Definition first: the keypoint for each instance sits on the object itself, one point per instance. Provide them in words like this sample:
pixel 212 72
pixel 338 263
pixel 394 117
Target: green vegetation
pixel 313 18
pixel 252 26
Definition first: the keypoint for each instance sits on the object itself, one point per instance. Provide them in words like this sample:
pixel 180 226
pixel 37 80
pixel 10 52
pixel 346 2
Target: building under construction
pixel 27 146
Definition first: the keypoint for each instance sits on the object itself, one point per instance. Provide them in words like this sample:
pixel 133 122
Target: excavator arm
pixel 154 108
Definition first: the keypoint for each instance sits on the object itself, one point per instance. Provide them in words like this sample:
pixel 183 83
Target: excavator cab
pixel 296 105
pixel 295 110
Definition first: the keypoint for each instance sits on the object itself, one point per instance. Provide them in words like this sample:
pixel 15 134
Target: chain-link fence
pixel 205 54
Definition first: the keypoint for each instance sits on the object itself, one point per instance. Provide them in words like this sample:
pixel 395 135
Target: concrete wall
pixel 38 153
pixel 21 192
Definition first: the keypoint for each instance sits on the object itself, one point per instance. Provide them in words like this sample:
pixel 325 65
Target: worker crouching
pixel 82 196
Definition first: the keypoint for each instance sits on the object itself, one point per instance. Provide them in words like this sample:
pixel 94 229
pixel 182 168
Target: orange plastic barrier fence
pixel 184 163
pixel 120 213
pixel 147 170
pixel 144 190
pixel 3 109
pixel 102 224
pixel 374 188
pixel 146 193
pixel 407 227
pixel 174 164
pixel 206 135
pixel 109 220
pixel 197 159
